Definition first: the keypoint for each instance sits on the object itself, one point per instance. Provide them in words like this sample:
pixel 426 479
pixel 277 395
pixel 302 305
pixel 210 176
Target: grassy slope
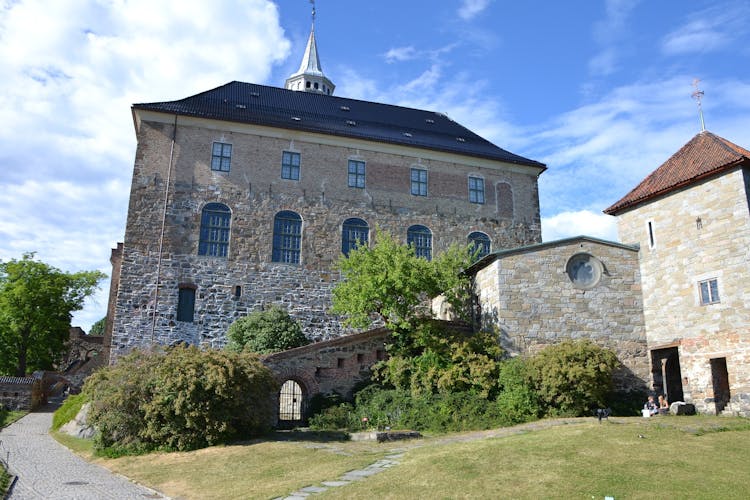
pixel 682 457
pixel 674 458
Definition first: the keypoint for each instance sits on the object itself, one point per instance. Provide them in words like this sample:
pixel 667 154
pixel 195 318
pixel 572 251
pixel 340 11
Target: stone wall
pixel 698 233
pixel 335 366
pixel 20 393
pixel 254 192
pixel 528 295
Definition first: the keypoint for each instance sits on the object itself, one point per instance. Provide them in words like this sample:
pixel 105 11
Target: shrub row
pixel 182 398
pixel 568 379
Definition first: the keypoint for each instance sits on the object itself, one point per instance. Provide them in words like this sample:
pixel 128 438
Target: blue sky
pixel 600 91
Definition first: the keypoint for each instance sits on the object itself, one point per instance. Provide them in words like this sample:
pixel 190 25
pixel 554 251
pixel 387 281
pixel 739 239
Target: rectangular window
pixel 290 165
pixel 356 174
pixel 418 182
pixel 221 156
pixel 709 290
pixel 186 305
pixel 476 190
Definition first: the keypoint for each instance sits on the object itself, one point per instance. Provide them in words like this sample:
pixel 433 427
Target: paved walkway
pixel 48 470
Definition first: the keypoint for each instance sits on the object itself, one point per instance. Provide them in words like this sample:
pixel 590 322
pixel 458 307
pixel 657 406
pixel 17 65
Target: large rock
pixel 682 408
pixel 78 427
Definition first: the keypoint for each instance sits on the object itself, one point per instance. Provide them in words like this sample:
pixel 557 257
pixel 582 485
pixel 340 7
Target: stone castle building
pixel 246 195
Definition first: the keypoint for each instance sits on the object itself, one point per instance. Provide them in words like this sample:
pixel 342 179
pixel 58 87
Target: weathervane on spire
pixel 313 10
pixel 698 96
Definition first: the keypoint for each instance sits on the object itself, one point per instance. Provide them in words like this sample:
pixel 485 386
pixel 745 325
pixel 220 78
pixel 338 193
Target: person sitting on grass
pixel 663 404
pixel 651 406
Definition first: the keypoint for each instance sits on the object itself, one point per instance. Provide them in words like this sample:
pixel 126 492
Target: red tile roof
pixel 706 154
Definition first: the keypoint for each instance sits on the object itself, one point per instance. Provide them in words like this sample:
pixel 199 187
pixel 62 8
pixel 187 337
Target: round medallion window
pixel 584 270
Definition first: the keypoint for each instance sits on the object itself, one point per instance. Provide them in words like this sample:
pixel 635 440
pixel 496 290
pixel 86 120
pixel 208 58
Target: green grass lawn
pixel 679 457
pixel 8 417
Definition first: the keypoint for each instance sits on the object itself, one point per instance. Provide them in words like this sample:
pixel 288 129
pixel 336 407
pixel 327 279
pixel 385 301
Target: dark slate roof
pixel 705 155
pixel 276 107
pixel 492 257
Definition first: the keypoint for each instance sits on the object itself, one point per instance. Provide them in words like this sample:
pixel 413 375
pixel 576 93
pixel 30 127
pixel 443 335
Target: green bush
pixel 517 401
pixel 264 332
pixel 334 418
pixel 573 378
pixel 68 410
pixel 181 399
pixel 441 360
pixel 379 408
pixel 627 403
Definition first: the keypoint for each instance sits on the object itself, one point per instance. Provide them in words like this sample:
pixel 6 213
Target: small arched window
pixel 420 237
pixel 287 237
pixel 354 232
pixel 214 237
pixel 479 244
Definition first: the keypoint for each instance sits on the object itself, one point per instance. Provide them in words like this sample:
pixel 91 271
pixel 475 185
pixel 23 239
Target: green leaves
pixel 573 377
pixel 181 399
pixel 388 282
pixel 36 302
pixel 264 332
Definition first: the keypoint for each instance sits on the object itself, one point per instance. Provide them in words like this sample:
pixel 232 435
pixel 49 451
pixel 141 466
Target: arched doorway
pixel 291 405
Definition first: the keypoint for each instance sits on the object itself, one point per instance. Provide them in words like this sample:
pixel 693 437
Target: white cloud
pixel 608 34
pixel 71 70
pixel 579 223
pixel 469 9
pixel 400 54
pixel 708 30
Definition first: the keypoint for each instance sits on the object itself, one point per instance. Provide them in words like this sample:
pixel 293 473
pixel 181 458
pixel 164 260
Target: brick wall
pixel 330 367
pixel 20 393
pixel 254 192
pixel 700 232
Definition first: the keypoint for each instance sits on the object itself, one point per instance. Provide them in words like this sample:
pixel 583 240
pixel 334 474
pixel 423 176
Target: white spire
pixel 309 77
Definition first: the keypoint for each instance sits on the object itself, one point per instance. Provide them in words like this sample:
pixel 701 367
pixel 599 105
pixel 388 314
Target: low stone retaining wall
pixel 20 393
pixel 382 436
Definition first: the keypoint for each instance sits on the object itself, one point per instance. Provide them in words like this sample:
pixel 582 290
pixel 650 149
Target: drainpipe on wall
pixel 163 225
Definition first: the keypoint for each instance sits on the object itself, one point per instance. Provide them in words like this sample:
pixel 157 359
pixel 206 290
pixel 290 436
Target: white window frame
pixel 477 190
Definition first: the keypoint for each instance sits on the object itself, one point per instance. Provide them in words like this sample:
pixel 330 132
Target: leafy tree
pixel 388 282
pixel 36 301
pixel 573 377
pixel 97 329
pixel 266 331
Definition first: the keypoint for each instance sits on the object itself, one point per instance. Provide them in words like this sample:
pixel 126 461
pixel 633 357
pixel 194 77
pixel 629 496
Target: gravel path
pixel 48 470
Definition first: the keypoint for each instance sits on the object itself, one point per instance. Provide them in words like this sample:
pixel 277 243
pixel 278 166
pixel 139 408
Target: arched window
pixel 214 237
pixel 480 243
pixel 355 232
pixel 420 237
pixel 287 237
pixel 504 200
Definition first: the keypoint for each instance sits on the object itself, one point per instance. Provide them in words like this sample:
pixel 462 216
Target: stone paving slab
pixel 46 469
